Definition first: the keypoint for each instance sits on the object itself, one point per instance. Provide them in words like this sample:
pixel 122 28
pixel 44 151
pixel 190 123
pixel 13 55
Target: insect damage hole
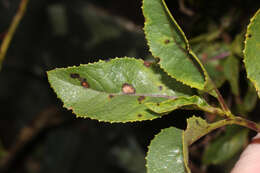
pixel 128 89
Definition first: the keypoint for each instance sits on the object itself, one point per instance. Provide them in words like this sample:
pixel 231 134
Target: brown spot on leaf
pixel 158 104
pixel 249 35
pixel 140 99
pixel 110 96
pixel 84 84
pixel 139 115
pixel 160 88
pixel 74 75
pixel 128 89
pixel 147 63
pixel 166 41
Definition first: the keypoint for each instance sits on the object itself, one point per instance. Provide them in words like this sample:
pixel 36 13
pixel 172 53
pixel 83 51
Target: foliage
pixel 252 51
pixel 127 90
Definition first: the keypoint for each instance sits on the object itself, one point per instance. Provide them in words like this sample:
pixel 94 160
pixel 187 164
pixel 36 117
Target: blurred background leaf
pixel 59 33
pixel 224 147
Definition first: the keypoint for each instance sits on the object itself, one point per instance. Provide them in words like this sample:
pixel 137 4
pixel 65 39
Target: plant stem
pixel 229 121
pixel 222 102
pixel 212 86
pixel 11 30
pixel 245 123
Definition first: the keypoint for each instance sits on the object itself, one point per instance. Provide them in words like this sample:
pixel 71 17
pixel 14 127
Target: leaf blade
pixel 231 71
pixel 193 102
pixel 165 152
pixel 252 51
pixel 169 44
pixel 104 99
pixel 225 146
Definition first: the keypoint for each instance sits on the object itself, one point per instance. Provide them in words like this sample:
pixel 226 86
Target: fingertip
pixel 250 158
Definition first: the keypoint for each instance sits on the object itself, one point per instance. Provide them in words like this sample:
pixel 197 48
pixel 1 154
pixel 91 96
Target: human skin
pixel 249 161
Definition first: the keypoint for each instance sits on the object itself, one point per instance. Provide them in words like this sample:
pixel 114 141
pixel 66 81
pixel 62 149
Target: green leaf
pixel 224 147
pixel 231 71
pixel 196 128
pixel 237 45
pixel 168 43
pixel 250 99
pixel 166 152
pixel 252 51
pixel 212 55
pixel 114 91
pixel 193 102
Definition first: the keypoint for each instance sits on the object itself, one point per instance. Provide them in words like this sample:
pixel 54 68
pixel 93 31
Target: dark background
pixel 38 133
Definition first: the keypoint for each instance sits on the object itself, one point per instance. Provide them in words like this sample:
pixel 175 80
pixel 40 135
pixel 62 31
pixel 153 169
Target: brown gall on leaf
pixel 128 89
pixel 140 99
pixel 147 63
pixel 139 115
pixel 167 41
pixel 75 75
pixel 249 35
pixel 110 96
pixel 84 84
pixel 83 80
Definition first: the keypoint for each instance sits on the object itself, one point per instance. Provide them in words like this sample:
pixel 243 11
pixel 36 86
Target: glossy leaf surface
pixel 193 102
pixel 252 51
pixel 168 43
pixel 165 154
pixel 114 91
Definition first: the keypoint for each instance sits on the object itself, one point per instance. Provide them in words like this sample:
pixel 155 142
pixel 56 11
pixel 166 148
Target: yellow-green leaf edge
pixel 248 36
